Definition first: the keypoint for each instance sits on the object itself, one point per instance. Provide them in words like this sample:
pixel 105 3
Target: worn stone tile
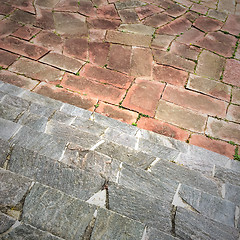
pixel 97 35
pixel 4 151
pixel 207 24
pixel 11 89
pixel 84 7
pixel 104 23
pixel 128 16
pixel 128 4
pixel 26 32
pixel 199 8
pixel 46 3
pixel 236 95
pixel 15 101
pixel 7 58
pixel 174 9
pixel 75 111
pixel 233 113
pixel 157 20
pixel 6 222
pixel 107 11
pixel 45 19
pixel 9 112
pixel 226 6
pixel 162 41
pixel 136 28
pixel 36 70
pixel 154 234
pixel 147 10
pixel 8 129
pixel 67 5
pixel 231 193
pixel 217 14
pixel 23 17
pixel 231 72
pixel 6 9
pixel 191 36
pixel 25 5
pixel 98 52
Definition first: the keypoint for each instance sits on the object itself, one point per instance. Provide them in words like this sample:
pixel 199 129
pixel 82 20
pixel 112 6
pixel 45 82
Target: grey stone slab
pixel 55 212
pixel 142 181
pixel 158 150
pixel 4 151
pixel 129 4
pixel 2 94
pixel 233 165
pixel 9 112
pixel 216 208
pixel 62 117
pixel 120 137
pixel 33 121
pixel 169 170
pixel 75 111
pixel 91 161
pixel 109 122
pixel 140 207
pixel 89 126
pixel 232 193
pixel 15 102
pixel 227 175
pixel 110 225
pixel 125 154
pixel 25 231
pixel 12 188
pixel 41 110
pixel 154 234
pixel 8 129
pixel 11 89
pixel 71 134
pixel 5 222
pixel 137 28
pixel 40 142
pixel 190 225
pixel 72 181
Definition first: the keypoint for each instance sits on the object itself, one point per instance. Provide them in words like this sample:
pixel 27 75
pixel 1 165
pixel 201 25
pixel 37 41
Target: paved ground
pixel 171 67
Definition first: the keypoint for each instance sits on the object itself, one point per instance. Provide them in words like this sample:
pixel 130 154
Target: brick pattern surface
pixel 132 58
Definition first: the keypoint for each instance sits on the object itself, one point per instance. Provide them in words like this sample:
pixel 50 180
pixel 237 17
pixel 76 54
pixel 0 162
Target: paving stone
pixel 75 111
pixel 8 129
pixel 62 117
pixel 175 27
pixel 16 102
pixel 166 58
pixel 143 96
pixel 157 20
pixel 188 223
pixel 13 188
pixel 147 10
pixel 162 41
pixel 62 62
pixel 234 113
pixel 231 193
pixel 95 89
pixel 226 6
pixel 36 70
pixel 56 212
pixel 41 110
pixel 26 32
pixel 231 72
pixel 191 36
pixel 130 203
pixel 180 116
pixel 138 67
pixel 103 23
pixel 162 128
pixel 46 3
pixel 76 48
pixel 6 9
pixel 191 16
pixel 45 19
pixel 128 38
pixel 224 130
pixel 110 225
pixel 84 7
pixel 107 11
pixel 195 101
pixel 23 17
pixel 98 52
pixel 67 5
pixel 128 16
pixel 125 154
pixel 233 165
pixel 25 5
pixel 217 146
pixel 70 24
pixel 9 112
pixel 208 205
pixel 117 113
pixel 136 28
pixel 218 42
pixel 154 234
pixel 207 59
pixel 7 58
pixel 186 51
pixel 40 142
pixel 71 181
pixel 174 9
pixel 27 231
pixel 23 48
pixel 4 151
pixel 11 89
pixel 5 222
pixel 209 87
pixel 217 14
pixel 236 95
pixel 120 58
pixel 128 4
pixel 106 76
pixel 199 8
pixel 169 75
pixel 207 24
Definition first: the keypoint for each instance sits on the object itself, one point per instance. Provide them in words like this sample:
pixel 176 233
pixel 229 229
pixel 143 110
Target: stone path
pixel 171 67
pixel 68 173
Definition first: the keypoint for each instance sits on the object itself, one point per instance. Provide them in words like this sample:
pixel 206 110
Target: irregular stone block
pixel 16 102
pixel 72 181
pixel 4 151
pixel 231 193
pixel 75 111
pixel 110 225
pixel 11 89
pixel 52 211
pixel 62 117
pixel 41 110
pixel 154 234
pixel 8 129
pixel 5 222
pixel 9 112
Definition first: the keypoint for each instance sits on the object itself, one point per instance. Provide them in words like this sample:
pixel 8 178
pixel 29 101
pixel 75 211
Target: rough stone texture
pixel 98 52
pixel 4 151
pixel 207 24
pixel 154 234
pixel 5 222
pixel 234 113
pixel 232 25
pixel 217 14
pixel 162 41
pixel 23 17
pixel 8 129
pixel 231 193
pixel 236 95
pixel 157 20
pixel 231 72
pixel 56 212
pixel 136 28
pixel 9 112
pixel 191 36
pixel 128 16
pixel 7 58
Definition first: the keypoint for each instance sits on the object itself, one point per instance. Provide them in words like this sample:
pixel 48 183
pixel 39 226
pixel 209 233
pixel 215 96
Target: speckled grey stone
pixel 9 112
pixel 11 89
pixel 62 117
pixel 75 111
pixel 8 129
pixel 16 102
pixel 41 110
pixel 4 151
pixel 154 234
pixel 5 222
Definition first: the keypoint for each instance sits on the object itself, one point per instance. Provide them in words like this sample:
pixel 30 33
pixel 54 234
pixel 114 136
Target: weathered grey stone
pixel 25 231
pixel 233 165
pixel 2 94
pixel 154 234
pixel 110 225
pixel 33 121
pixel 231 193
pixel 72 181
pixel 142 181
pixel 9 112
pixel 12 188
pixel 143 208
pixel 11 89
pixel 137 28
pixel 62 117
pixel 15 102
pixel 89 126
pixel 71 134
pixel 215 208
pixel 91 161
pixel 227 175
pixel 8 129
pixel 125 154
pixel 41 110
pixel 190 225
pixel 157 150
pixel 169 170
pixel 129 4
pixel 75 111
pixel 5 222
pixel 40 142
pixel 52 211
pixel 4 151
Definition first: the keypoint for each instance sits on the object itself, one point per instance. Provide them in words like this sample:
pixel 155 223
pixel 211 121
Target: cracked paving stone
pixel 4 151
pixel 9 112
pixel 5 222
